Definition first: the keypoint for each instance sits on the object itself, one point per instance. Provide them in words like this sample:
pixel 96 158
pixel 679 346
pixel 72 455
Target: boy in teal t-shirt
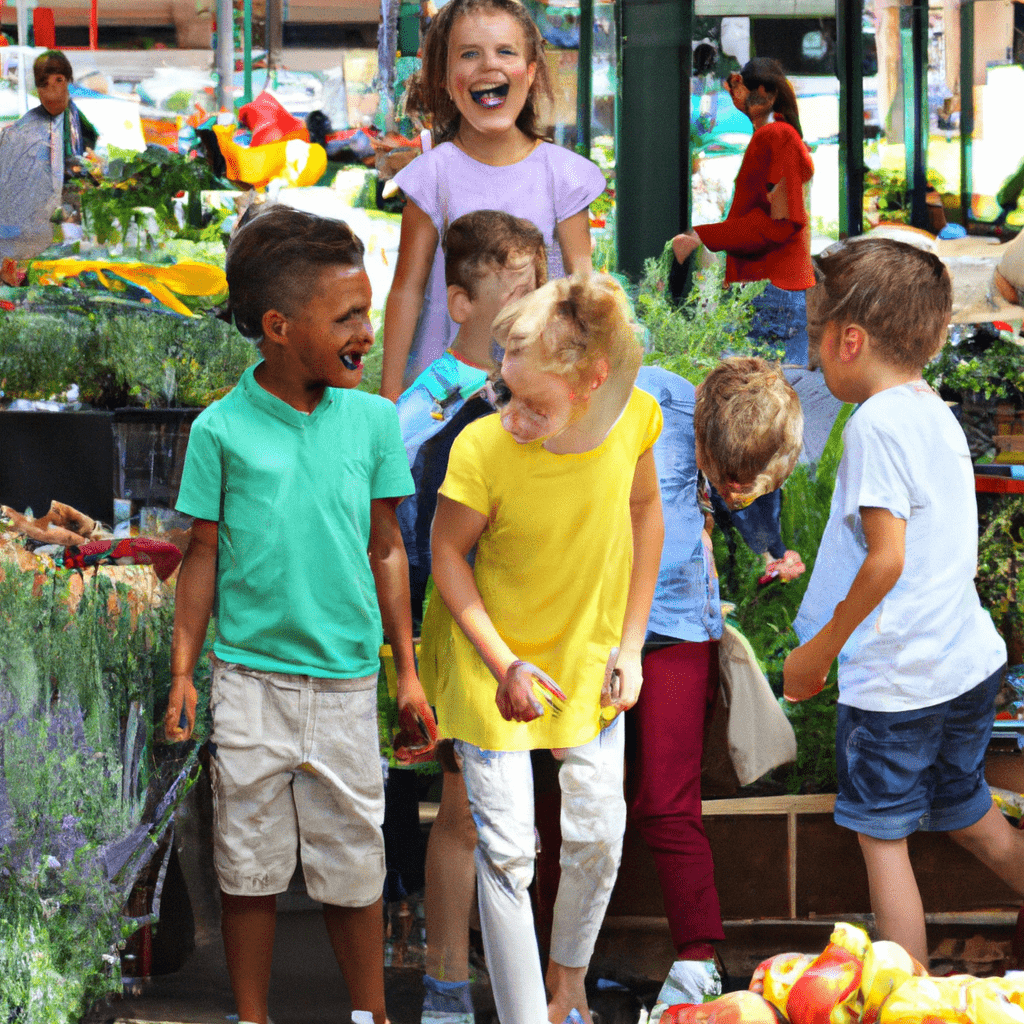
pixel 293 480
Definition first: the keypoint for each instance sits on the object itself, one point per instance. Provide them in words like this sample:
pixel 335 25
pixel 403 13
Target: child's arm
pixel 417 729
pixel 416 248
pixel 193 604
pixel 455 532
pixel 806 668
pixel 573 237
pixel 648 535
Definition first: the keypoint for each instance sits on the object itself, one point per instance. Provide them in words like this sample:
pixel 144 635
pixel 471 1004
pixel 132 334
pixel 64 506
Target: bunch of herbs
pixel 145 359
pixel 690 338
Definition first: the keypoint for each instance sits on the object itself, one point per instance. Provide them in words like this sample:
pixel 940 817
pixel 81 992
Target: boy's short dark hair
pixel 749 427
pixel 900 294
pixel 483 239
pixel 51 62
pixel 275 260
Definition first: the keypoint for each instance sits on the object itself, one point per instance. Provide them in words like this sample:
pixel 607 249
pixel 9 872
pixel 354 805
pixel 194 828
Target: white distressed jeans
pixel 593 819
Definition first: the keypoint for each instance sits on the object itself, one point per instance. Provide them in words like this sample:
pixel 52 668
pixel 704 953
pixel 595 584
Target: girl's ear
pixel 460 305
pixel 531 74
pixel 600 374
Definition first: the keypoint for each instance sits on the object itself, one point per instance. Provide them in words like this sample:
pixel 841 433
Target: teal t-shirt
pixel 291 493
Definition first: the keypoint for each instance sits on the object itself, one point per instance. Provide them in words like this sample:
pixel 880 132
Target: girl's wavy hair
pixel 427 96
pixel 770 73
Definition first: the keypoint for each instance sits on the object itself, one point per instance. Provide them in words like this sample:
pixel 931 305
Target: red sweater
pixel 758 247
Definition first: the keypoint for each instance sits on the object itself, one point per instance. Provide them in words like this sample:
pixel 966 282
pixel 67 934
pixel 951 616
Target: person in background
pixel 38 154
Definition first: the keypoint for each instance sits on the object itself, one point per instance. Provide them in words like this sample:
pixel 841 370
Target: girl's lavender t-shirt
pixel 547 187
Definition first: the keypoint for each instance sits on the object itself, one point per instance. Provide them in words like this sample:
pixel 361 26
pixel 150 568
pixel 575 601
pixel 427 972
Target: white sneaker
pixel 689 981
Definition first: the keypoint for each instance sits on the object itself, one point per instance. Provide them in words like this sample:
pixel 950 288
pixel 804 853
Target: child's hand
pixel 804 672
pixel 786 568
pixel 417 731
pixel 622 679
pixel 180 717
pixel 684 244
pixel 520 692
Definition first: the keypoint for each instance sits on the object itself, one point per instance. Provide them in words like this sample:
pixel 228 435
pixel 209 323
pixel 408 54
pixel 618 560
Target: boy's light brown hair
pixel 276 259
pixel 749 428
pixel 572 324
pixel 899 294
pixel 485 239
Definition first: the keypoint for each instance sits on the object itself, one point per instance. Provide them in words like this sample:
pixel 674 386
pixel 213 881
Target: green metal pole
pixel 247 50
pixel 966 109
pixel 914 59
pixel 652 148
pixel 850 69
pixel 584 77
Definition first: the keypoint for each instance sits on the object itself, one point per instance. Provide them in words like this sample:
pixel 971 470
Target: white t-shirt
pixel 929 640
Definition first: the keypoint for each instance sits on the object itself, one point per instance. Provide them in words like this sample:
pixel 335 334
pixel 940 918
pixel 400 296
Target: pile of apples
pixel 857 981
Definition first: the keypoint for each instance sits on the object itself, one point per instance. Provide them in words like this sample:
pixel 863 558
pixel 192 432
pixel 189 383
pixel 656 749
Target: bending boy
pixel 892 595
pixel 293 480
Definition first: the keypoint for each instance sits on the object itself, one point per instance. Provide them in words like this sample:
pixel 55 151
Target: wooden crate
pixel 784 858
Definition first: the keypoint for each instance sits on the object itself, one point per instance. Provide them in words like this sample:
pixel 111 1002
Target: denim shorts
pixel 915 771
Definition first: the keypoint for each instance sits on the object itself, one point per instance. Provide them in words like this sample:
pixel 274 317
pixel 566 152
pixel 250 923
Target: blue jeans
pixel 780 320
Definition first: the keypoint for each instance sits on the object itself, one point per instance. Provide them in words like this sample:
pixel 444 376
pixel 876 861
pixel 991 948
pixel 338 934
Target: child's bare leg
pixel 567 992
pixel 247 924
pixel 451 883
pixel 998 845
pixel 357 938
pixel 895 898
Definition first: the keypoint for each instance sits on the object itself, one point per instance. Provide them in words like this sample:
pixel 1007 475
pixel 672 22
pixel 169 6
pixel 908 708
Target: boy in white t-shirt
pixel 892 595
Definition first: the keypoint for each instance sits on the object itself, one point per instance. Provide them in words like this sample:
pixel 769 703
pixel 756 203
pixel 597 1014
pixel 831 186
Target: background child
pixel 559 496
pixel 892 594
pixel 491 259
pixel 482 79
pixel 745 436
pixel 292 479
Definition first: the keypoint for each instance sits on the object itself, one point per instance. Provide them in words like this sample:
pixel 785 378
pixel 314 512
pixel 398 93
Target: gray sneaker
pixel 689 981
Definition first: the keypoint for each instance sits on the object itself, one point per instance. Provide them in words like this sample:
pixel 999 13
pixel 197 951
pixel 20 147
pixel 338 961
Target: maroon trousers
pixel 663 783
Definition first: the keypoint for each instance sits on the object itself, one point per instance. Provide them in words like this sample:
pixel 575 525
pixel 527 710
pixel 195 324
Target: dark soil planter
pixel 67 456
pixel 87 459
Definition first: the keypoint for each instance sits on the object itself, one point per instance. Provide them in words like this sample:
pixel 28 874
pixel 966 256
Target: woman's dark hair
pixel 51 62
pixel 427 94
pixel 770 73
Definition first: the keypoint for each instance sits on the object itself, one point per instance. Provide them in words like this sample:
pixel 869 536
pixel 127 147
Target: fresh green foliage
pixel 150 179
pixel 691 338
pixel 765 614
pixel 886 191
pixel 84 791
pixel 1001 570
pixel 995 370
pixel 115 358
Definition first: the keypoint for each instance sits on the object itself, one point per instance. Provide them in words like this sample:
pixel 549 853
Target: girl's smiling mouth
pixel 352 360
pixel 492 96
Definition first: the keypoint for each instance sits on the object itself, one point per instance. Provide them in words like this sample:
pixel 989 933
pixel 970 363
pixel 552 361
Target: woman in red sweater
pixel 766 235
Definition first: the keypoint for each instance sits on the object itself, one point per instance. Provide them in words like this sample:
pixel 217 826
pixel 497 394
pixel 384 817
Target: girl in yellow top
pixel 559 497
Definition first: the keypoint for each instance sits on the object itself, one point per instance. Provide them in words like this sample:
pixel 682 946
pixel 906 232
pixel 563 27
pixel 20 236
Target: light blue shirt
pixel 686 604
